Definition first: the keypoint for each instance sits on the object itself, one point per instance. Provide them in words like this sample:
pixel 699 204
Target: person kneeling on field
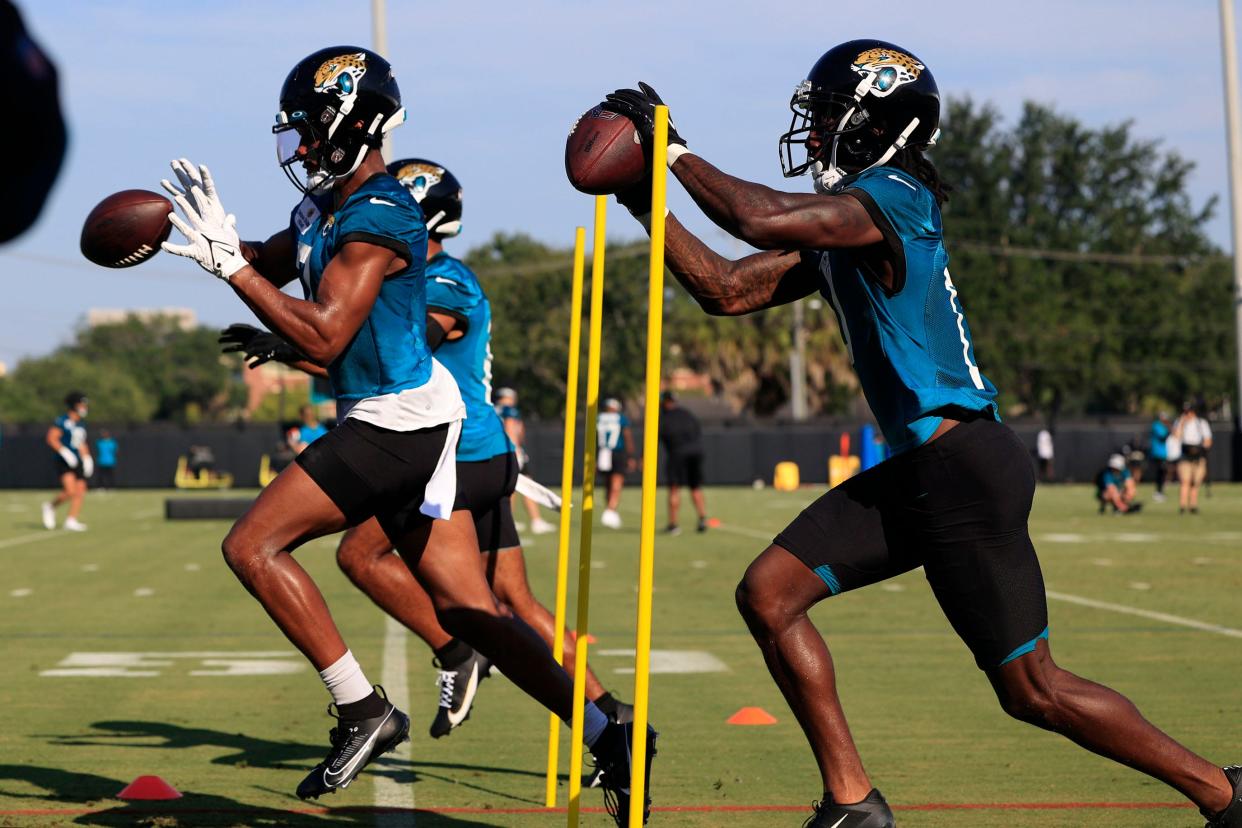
pixel 1115 487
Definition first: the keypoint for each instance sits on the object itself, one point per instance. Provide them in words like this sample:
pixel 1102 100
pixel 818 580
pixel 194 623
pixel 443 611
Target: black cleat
pixel 702 525
pixel 612 762
pixel 872 812
pixel 1231 817
pixel 624 714
pixel 457 690
pixel 355 742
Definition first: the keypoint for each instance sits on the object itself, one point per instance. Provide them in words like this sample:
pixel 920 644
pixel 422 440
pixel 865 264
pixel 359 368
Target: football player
pixel 67 437
pixel 358 243
pixel 459 325
pixel 614 456
pixel 955 497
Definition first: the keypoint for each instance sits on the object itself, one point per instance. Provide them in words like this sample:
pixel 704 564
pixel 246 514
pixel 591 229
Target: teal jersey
pixel 1112 477
pixel 911 345
pixel 309 434
pixel 611 426
pixel 72 434
pixel 105 452
pixel 453 289
pixel 389 354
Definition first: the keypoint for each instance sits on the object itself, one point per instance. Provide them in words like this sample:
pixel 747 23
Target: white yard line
pixel 31 538
pixel 1202 626
pixel 390 793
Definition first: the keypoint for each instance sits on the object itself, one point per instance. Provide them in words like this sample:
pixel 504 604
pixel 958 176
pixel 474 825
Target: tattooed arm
pixel 770 219
pixel 732 288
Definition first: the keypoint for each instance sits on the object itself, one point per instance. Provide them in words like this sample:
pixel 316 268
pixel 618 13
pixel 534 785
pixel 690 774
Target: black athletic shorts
pixel 958 507
pixel 685 470
pixel 619 463
pixel 484 488
pixel 368 471
pixel 63 468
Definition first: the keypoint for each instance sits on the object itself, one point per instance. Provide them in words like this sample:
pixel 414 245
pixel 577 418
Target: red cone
pixel 149 787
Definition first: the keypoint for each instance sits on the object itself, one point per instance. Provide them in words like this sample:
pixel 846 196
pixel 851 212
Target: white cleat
pixel 72 525
pixel 49 516
pixel 541 527
pixel 611 519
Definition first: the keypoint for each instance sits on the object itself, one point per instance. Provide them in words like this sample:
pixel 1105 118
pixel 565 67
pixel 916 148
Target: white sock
pixel 593 724
pixel 345 680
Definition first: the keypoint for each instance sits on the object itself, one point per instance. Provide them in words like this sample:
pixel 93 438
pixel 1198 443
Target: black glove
pixel 258 346
pixel 637 198
pixel 639 106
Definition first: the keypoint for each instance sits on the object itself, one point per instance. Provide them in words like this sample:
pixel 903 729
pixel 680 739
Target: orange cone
pixel 751 716
pixel 590 639
pixel 149 787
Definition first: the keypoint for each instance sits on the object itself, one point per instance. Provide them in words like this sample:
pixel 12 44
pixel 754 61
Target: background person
pixel 67 437
pixel 301 436
pixel 1195 436
pixel 105 461
pixel 511 417
pixel 1158 455
pixel 1116 487
pixel 682 438
pixel 614 457
pixel 1044 451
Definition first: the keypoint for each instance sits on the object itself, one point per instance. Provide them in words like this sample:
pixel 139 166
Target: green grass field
pixel 237 736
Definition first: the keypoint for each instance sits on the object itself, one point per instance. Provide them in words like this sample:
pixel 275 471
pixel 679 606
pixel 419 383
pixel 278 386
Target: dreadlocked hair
pixel 913 161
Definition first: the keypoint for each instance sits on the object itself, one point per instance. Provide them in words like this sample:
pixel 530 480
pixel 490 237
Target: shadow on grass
pixel 62 794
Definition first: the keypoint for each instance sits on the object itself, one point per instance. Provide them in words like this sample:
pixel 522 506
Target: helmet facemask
pixel 838 132
pixel 328 148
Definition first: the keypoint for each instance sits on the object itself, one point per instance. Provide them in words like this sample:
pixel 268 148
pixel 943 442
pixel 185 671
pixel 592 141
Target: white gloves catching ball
pixel 210 231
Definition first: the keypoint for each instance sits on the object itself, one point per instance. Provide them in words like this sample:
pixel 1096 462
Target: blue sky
pixel 492 88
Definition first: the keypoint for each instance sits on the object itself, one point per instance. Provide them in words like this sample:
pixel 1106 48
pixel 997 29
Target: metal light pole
pixel 797 363
pixel 379 44
pixel 1233 124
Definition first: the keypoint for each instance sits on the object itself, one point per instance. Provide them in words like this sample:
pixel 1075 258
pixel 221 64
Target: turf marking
pixel 1102 561
pixel 698 564
pixel 192 567
pixel 1135 537
pixel 1142 613
pixel 21 593
pixel 1140 585
pixel 1063 537
pixel 90 567
pixel 148 665
pixel 672 661
pixel 34 537
pixel 396 794
pixel 143 592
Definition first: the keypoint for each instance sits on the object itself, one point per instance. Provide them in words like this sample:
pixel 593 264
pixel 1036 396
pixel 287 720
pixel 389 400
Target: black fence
pixel 735 453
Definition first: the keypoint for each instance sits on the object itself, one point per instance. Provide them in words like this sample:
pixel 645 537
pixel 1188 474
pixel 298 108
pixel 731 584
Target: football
pixel 126 228
pixel 603 154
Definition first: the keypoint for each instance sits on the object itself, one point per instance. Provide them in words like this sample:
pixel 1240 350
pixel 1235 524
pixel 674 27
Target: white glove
pixel 88 466
pixel 71 459
pixel 210 231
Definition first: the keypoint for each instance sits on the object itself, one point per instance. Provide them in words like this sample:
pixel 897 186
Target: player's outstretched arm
pixel 771 219
pixel 323 328
pixel 727 287
pixel 758 215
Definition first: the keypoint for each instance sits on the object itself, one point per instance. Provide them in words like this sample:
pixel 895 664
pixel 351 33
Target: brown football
pixel 603 154
pixel 126 228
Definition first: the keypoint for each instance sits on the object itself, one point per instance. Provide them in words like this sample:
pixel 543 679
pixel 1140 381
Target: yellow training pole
pixel 588 510
pixel 567 494
pixel 651 424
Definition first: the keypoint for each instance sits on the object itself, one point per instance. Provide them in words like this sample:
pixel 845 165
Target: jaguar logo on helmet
pixel 341 74
pixel 418 178
pixel 890 67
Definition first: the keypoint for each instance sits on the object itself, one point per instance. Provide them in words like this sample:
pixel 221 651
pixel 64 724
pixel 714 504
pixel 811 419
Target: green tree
pixel 36 390
pixel 1082 264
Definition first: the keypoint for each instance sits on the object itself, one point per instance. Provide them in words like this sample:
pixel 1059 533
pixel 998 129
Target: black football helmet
pixel 862 102
pixel 436 189
pixel 335 105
